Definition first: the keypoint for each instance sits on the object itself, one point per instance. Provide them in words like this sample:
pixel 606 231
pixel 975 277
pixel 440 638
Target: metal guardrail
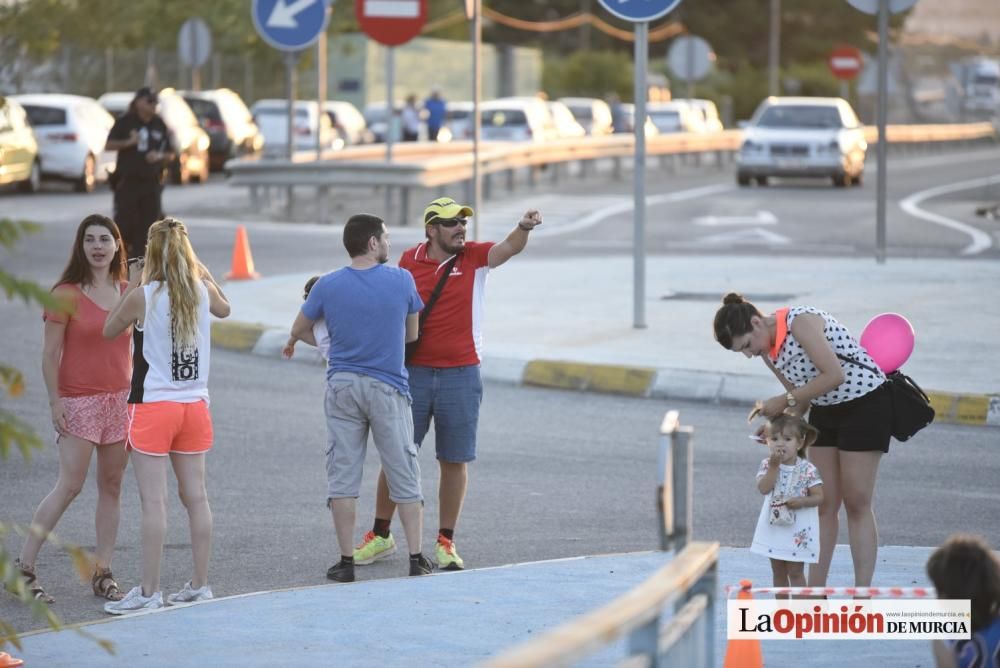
pixel 430 165
pixel 689 581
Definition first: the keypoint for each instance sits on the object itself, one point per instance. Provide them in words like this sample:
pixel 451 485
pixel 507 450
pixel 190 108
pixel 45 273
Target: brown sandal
pixel 31 582
pixel 105 586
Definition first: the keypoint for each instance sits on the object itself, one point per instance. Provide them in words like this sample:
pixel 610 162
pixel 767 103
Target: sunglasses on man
pixel 451 222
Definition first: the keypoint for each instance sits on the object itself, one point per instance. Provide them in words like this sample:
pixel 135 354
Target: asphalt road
pixel 560 474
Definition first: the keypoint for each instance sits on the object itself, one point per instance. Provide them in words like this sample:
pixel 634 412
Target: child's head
pixel 793 428
pixel 309 286
pixel 964 567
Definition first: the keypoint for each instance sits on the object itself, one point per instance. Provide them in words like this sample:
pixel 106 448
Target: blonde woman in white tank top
pixel 168 403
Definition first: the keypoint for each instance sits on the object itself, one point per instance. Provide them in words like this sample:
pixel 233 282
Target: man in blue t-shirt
pixel 436 112
pixel 370 311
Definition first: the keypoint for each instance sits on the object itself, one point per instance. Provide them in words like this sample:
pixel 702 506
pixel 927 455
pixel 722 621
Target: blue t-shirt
pixel 365 312
pixel 435 111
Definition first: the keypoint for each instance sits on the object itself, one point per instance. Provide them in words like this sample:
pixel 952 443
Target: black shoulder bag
pixel 911 409
pixel 411 347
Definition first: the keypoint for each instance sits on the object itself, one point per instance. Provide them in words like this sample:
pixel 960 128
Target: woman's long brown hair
pixel 77 269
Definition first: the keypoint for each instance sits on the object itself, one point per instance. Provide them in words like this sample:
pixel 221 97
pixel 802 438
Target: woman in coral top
pixel 87 378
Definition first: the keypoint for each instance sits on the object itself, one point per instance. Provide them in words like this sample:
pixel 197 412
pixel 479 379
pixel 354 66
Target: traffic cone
pixel 744 653
pixel 7 661
pixel 242 258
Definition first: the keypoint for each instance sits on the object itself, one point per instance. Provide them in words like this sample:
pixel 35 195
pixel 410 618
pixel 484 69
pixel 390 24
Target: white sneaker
pixel 189 595
pixel 134 601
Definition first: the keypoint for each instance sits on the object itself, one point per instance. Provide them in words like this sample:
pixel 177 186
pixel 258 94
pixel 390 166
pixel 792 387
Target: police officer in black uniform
pixel 144 147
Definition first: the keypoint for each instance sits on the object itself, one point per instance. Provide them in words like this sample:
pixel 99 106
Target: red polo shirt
pixel 452 335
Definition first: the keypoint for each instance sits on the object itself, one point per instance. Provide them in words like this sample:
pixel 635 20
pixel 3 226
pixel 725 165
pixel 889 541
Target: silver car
pixel 803 136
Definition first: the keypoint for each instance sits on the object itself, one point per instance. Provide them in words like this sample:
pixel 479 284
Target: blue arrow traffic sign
pixel 290 25
pixel 639 11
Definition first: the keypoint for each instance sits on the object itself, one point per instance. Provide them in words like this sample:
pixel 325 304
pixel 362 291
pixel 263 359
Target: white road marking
pixel 759 218
pixel 981 241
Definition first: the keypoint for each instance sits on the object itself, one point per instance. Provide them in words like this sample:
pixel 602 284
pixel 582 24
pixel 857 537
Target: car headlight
pixel 832 147
pixel 751 147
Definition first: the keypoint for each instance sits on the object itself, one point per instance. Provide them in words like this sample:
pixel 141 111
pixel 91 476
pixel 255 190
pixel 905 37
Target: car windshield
pixel 581 112
pixel 204 108
pixel 788 116
pixel 281 111
pixel 39 116
pixel 504 117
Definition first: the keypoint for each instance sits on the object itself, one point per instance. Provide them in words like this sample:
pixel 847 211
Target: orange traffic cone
pixel 242 258
pixel 744 653
pixel 7 661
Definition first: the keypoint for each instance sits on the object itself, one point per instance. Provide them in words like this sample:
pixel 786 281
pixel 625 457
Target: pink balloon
pixel 888 338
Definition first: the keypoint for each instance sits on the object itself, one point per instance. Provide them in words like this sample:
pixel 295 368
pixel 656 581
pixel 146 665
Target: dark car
pixel 228 122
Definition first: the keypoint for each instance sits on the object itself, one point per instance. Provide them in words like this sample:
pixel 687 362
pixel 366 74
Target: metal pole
pixel 192 53
pixel 290 94
pixel 845 90
pixel 390 112
pixel 883 141
pixel 320 86
pixel 690 69
pixel 477 95
pixel 774 51
pixel 109 68
pixel 639 178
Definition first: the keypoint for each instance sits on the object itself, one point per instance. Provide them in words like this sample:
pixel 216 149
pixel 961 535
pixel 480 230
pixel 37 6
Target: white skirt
pixel 796 542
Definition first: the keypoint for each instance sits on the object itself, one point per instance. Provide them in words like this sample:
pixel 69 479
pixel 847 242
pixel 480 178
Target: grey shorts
pixel 355 404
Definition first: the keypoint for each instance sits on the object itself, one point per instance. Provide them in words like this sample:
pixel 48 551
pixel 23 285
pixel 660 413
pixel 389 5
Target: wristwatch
pixel 790 398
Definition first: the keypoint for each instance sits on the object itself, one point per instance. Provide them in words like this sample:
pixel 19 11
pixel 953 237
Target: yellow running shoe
pixel 447 555
pixel 374 548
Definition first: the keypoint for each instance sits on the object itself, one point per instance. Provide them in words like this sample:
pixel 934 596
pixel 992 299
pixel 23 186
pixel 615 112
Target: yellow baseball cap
pixel 445 208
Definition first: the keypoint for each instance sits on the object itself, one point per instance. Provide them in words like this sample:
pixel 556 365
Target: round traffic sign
pixel 690 58
pixel 845 62
pixel 290 25
pixel 391 22
pixel 871 6
pixel 194 43
pixel 639 11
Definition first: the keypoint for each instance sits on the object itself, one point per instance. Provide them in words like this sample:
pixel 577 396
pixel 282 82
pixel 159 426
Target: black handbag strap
pixel 446 272
pixel 875 371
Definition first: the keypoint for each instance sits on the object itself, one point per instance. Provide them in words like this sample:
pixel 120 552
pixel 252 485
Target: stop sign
pixel 391 22
pixel 845 62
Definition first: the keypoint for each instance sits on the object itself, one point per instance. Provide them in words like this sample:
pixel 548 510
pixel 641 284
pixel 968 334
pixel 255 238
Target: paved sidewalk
pixel 568 322
pixel 448 619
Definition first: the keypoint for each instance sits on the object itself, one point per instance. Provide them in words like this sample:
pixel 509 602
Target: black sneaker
pixel 341 572
pixel 420 566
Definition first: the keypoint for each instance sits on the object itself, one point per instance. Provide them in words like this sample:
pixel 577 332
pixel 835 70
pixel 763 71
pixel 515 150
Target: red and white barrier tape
pixel 890 592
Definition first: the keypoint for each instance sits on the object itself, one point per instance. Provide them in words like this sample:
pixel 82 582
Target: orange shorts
pixel 164 427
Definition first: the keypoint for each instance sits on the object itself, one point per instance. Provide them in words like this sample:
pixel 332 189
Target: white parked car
pixel 349 122
pixel 567 127
pixel 675 116
pixel 709 112
pixel 517 119
pixel 71 131
pixel 271 117
pixel 803 136
pixel 592 113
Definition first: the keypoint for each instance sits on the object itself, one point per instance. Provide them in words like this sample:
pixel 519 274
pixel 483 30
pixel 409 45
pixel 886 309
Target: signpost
pixel 883 9
pixel 474 13
pixel 640 12
pixel 290 26
pixel 391 23
pixel 194 47
pixel 845 63
pixel 690 58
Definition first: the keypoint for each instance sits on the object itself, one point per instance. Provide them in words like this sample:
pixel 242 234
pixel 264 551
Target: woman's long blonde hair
pixel 171 260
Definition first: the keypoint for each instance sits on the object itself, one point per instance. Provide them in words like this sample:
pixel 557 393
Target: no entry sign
pixel 391 22
pixel 845 62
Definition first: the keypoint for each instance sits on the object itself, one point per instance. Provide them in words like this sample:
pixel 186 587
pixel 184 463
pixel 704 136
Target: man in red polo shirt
pixel 444 368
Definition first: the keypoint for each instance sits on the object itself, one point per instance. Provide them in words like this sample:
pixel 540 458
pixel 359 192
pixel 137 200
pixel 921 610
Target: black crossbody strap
pixel 863 366
pixel 445 273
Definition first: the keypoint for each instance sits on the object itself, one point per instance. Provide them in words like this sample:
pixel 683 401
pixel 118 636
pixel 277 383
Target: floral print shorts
pixel 97 418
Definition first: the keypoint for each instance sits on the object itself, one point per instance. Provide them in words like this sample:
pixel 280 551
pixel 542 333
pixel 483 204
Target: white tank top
pixel 161 371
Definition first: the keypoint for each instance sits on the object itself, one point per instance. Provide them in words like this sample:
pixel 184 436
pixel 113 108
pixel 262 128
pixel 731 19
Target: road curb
pixel 636 381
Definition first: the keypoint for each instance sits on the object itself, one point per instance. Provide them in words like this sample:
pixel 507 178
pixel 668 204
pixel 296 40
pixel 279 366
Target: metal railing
pixel 688 581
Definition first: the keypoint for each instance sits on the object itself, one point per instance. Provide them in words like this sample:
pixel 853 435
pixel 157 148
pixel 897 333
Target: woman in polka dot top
pixel 850 406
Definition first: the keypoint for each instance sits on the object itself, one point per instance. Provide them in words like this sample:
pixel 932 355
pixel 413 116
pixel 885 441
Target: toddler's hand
pixel 289 350
pixel 794 502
